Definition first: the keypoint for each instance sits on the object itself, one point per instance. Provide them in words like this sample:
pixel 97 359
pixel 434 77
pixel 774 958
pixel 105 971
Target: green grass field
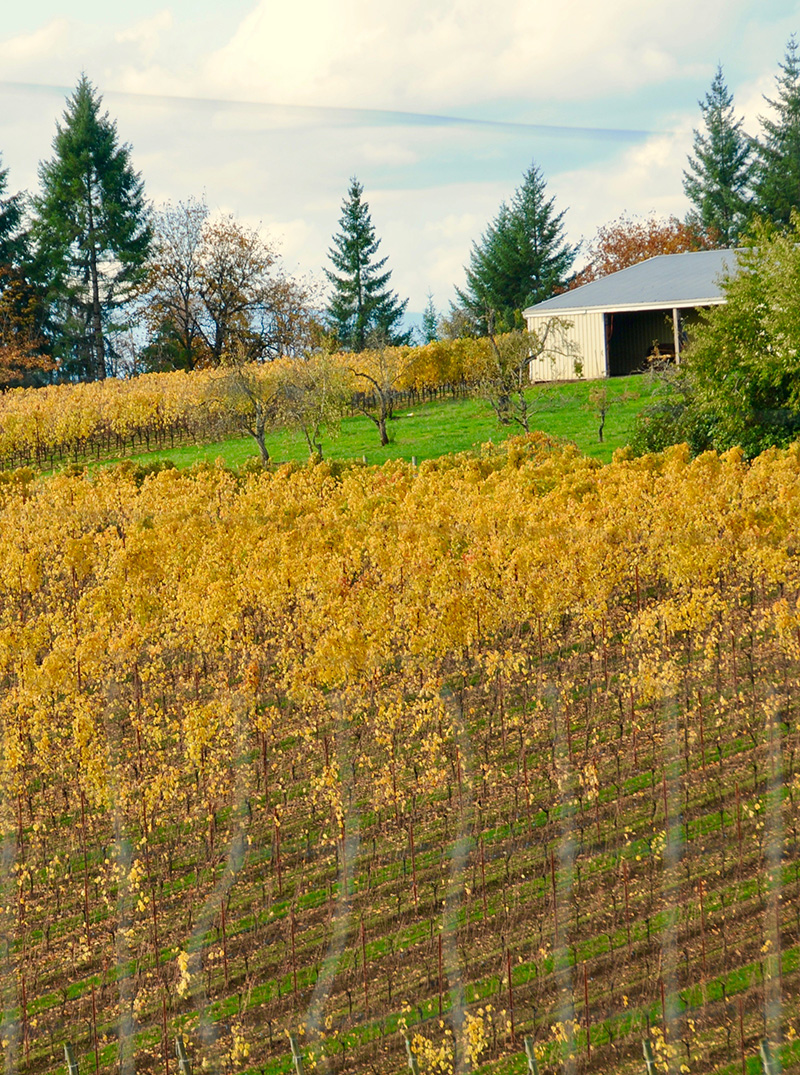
pixel 436 428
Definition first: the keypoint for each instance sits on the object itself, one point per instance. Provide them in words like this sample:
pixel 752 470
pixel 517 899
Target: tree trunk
pixel 258 436
pixel 98 343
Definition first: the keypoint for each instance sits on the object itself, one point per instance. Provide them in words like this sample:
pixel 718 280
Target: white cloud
pixel 147 35
pixel 645 179
pixel 378 53
pixel 750 102
pixel 432 188
pixel 20 55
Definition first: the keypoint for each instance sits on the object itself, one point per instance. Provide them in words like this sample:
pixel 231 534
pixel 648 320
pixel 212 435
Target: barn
pixel 615 322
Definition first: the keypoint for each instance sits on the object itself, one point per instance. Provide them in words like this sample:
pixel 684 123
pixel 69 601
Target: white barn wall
pixel 583 342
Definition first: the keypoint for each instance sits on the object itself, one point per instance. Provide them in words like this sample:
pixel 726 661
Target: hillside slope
pixel 504 745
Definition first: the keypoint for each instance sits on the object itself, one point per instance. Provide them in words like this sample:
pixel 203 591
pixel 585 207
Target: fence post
pixel 530 1052
pixel 649 1059
pixel 297 1056
pixel 72 1063
pixel 184 1065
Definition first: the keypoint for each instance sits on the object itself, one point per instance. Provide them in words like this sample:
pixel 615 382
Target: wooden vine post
pixel 413 860
pixel 225 941
pixel 741 1036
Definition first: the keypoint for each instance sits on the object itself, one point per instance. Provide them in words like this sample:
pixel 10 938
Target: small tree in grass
pixel 508 379
pixel 250 392
pixel 312 395
pixel 380 375
pixel 600 401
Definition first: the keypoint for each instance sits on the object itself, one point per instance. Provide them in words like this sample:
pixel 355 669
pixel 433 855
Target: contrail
pixel 361 116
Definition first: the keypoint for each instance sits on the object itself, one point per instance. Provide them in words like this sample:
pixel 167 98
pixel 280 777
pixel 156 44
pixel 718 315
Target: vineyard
pixel 346 769
pixel 90 421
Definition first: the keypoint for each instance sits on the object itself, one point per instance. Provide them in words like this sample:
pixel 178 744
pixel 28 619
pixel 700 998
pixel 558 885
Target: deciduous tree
pixel 744 359
pixel 507 382
pixel 629 240
pixel 740 380
pixel 313 394
pixel 92 232
pixel 214 287
pixel 380 373
pixel 24 357
pixel 173 305
pixel 248 390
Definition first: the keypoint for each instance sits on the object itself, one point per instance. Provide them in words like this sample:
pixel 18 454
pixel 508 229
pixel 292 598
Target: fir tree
pixel 362 310
pixel 92 231
pixel 522 257
pixel 23 348
pixel 778 181
pixel 721 170
pixel 12 237
pixel 430 321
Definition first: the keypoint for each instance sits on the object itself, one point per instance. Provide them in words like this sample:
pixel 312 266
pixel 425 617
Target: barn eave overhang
pixel 623 308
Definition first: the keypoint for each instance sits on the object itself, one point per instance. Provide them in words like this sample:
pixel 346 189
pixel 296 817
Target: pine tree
pixel 721 171
pixel 778 179
pixel 361 310
pixel 92 231
pixel 522 257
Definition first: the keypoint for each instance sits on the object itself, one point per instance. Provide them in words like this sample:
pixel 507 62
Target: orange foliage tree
pixel 628 240
pixel 23 358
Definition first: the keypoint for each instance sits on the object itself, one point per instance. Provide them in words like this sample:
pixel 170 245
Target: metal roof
pixel 665 281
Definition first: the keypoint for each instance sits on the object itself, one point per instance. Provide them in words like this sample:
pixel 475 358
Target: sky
pixel 438 107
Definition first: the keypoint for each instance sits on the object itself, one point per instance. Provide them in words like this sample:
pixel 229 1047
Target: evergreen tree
pixel 430 321
pixel 720 172
pixel 92 231
pixel 778 180
pixel 23 351
pixel 361 310
pixel 522 257
pixel 12 237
